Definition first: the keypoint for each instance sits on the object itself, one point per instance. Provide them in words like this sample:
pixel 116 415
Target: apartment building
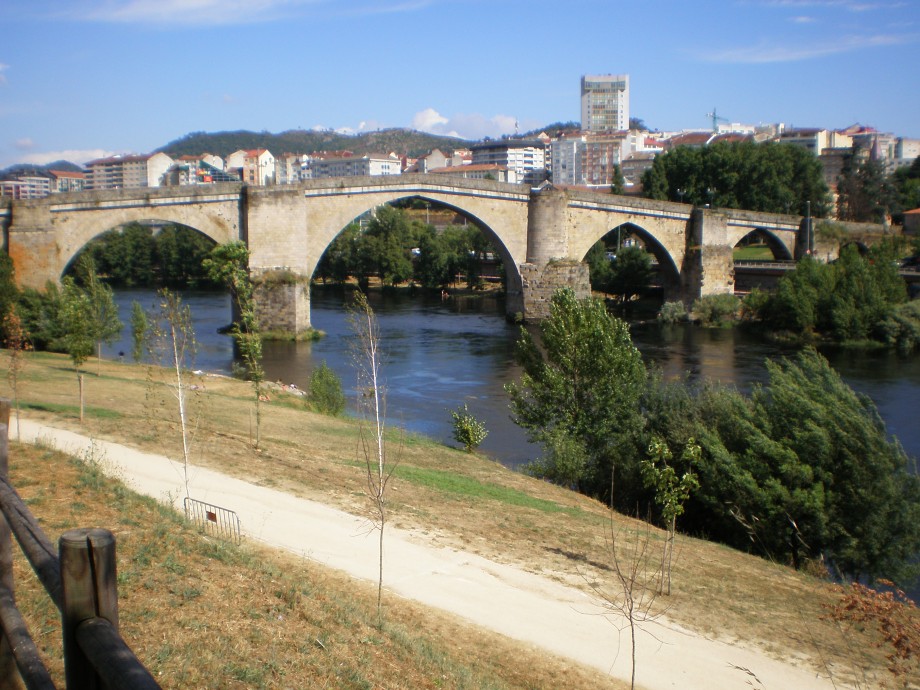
pixel 525 159
pixel 478 172
pixel 605 103
pixel 290 167
pixel 196 170
pixel 119 172
pixel 347 164
pixel 26 186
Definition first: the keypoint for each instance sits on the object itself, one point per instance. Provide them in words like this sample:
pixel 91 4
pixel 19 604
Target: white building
pixel 289 168
pixel 605 103
pixel 525 159
pixel 347 164
pixel 478 172
pixel 120 172
pixel 589 159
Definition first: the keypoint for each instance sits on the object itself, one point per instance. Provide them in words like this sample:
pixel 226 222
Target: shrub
pixel 672 312
pixel 716 309
pixel 468 431
pixel 902 327
pixel 326 394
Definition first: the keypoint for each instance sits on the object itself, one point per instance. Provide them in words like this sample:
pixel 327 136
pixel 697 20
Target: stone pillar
pixel 709 268
pixel 282 301
pixel 276 234
pixel 32 245
pixel 548 266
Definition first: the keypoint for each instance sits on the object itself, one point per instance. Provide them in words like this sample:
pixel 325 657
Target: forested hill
pixel 401 141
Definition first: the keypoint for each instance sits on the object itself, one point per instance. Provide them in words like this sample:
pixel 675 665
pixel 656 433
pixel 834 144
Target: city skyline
pixel 81 81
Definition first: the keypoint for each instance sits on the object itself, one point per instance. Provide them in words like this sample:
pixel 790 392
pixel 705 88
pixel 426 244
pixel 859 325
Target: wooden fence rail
pixel 80 578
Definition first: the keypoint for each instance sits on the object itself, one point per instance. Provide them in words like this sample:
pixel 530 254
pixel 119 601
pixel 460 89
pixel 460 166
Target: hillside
pixel 401 141
pixel 461 501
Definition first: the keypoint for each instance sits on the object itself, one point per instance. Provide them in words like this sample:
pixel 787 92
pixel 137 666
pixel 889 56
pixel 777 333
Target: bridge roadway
pixel 542 234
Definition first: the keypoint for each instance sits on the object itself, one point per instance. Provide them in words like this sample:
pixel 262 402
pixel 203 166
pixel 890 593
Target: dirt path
pixel 521 605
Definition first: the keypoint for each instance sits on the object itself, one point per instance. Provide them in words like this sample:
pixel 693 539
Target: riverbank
pixel 457 501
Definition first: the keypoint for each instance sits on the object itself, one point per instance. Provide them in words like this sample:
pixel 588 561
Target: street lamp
pixel 680 194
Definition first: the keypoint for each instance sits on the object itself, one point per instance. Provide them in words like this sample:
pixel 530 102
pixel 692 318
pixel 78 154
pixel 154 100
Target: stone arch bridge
pixel 541 234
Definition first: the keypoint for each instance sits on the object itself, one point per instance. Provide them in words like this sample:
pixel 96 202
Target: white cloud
pixel 3 68
pixel 73 155
pixel 803 20
pixel 25 144
pixel 464 125
pixel 169 13
pixel 770 52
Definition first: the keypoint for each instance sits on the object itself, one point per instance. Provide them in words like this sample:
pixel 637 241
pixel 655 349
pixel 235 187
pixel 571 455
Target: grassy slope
pixel 454 498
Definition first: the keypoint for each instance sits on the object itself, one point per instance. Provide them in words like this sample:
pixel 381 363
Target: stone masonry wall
pixel 541 282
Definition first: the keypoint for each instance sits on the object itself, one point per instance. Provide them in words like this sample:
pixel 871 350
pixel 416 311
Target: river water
pixel 444 353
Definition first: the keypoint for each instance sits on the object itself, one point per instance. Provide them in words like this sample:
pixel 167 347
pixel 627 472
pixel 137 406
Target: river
pixel 444 353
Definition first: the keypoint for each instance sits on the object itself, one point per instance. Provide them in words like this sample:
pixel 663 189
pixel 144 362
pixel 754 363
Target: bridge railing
pixel 80 579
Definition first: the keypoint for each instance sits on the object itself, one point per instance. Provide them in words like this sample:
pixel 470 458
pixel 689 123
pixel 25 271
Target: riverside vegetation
pixel 456 498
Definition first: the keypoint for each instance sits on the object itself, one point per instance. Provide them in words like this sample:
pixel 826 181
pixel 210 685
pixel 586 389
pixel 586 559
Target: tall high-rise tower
pixel 605 102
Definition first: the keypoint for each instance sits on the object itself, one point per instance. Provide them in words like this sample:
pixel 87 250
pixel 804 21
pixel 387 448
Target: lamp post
pixel 808 237
pixel 680 194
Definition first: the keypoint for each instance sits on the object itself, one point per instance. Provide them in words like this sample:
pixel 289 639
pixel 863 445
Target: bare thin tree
pixel 172 345
pixel 379 464
pixel 635 588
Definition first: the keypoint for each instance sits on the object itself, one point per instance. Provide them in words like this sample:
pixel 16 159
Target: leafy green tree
pixel 228 264
pixel 584 381
pixel 618 186
pixel 630 273
pixel 386 246
pixel 864 192
pixel 467 430
pixel 104 324
pixel 9 293
pixel 326 394
pixel 140 327
pixel 338 261
pixel 777 178
pixel 599 266
pixel 182 252
pixel 671 492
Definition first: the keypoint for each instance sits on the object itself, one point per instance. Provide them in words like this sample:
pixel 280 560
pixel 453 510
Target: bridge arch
pixel 779 246
pixel 670 273
pixel 512 270
pixel 86 237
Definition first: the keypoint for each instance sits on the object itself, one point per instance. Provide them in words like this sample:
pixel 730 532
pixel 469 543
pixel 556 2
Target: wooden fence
pixel 81 581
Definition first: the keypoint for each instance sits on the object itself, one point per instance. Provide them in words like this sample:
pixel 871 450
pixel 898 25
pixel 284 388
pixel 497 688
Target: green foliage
pixel 800 469
pixel 467 430
pixel 901 329
pixel 326 394
pixel 139 330
pixel 672 312
pixel 848 300
pixel 777 178
pixel 9 293
pixel 133 256
pixel 630 273
pixel 671 491
pixel 864 192
pixel 714 310
pixel 584 381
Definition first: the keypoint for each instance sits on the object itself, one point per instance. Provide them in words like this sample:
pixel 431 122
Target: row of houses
pixel 587 159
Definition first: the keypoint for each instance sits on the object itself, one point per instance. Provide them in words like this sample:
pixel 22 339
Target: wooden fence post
pixel 9 674
pixel 89 587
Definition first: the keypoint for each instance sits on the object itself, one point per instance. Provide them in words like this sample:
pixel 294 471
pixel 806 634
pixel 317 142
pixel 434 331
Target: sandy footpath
pixel 521 605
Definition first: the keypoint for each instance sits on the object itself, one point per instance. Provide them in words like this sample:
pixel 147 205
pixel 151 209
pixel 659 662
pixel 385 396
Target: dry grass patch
pixel 201 613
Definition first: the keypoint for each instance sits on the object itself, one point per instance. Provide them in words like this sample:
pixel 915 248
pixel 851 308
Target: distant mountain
pixel 401 141
pixel 43 170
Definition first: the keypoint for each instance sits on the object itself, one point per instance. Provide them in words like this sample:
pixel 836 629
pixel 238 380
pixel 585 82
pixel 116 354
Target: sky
pixel 89 78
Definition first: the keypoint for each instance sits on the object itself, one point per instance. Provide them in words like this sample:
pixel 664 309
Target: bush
pixel 716 309
pixel 468 431
pixel 326 391
pixel 902 327
pixel 672 312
